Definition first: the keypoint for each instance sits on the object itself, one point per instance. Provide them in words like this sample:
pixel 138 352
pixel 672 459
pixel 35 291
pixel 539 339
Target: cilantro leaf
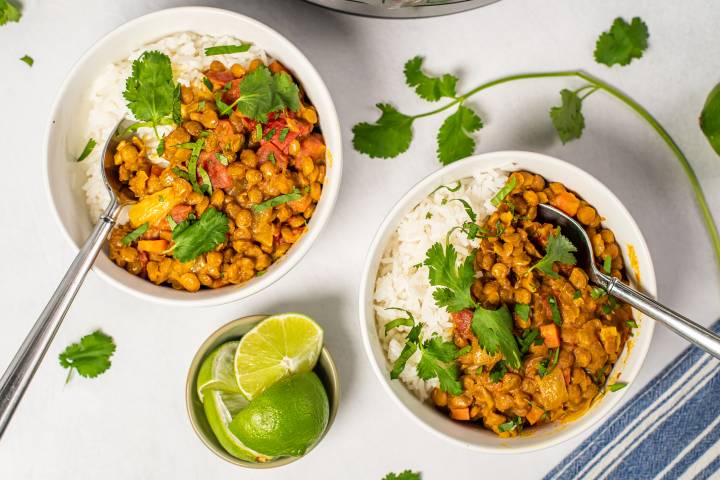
pixel 558 249
pixel 529 337
pixel 279 200
pixel 27 59
pixel 388 137
pixel 201 236
pixel 150 91
pixel 135 234
pixel 438 360
pixel 89 146
pixel 607 264
pixel 411 345
pixel 444 272
pixel 512 424
pixel 523 311
pixel 546 365
pixel 493 328
pixel 408 321
pixel 468 209
pixel 404 475
pixel 622 43
pixel 90 356
pixel 262 92
pixel 453 139
pixel 617 386
pixel 429 88
pixel 568 119
pixel 8 12
pixel 710 118
pixel 556 317
pixel 287 93
pixel 227 49
pixel 498 371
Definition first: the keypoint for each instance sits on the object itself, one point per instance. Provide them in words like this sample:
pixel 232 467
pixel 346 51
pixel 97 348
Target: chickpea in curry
pixel 265 178
pixel 565 367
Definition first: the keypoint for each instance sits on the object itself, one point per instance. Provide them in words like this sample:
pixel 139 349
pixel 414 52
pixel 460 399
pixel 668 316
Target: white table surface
pixel 131 421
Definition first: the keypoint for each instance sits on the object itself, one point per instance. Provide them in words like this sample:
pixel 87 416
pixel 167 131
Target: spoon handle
pixel 17 377
pixel 686 328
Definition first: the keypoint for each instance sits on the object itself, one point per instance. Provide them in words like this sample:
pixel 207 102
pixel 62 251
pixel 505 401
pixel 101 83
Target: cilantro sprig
pixel 437 359
pixel 152 95
pixel 622 43
pixel 201 236
pixel 493 329
pixel 8 12
pixel 455 281
pixel 558 249
pixel 263 92
pixel 90 356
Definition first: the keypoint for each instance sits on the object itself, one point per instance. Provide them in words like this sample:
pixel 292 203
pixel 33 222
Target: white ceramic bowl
pixel 626 232
pixel 66 135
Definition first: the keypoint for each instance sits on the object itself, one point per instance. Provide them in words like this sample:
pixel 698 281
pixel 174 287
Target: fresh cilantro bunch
pixel 90 356
pixel 263 92
pixel 622 43
pixel 558 249
pixel 8 12
pixel 391 134
pixel 437 358
pixel 152 95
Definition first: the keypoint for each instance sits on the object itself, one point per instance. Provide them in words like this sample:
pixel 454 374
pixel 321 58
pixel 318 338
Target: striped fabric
pixel 669 430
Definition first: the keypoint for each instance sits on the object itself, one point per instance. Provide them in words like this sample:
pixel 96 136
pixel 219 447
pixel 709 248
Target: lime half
pixel 277 347
pixel 219 417
pixel 217 371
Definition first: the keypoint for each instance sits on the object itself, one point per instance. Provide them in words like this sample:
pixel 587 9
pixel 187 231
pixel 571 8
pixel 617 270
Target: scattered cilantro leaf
pixel 263 92
pixel 404 475
pixel 622 43
pixel 283 134
pixel 161 147
pixel 498 371
pixel 427 87
pixel 468 209
pixel 192 164
pixel 90 356
pixel 596 292
pixel 208 83
pixel 181 173
pixel 135 234
pixel 493 328
pixel 454 140
pixel 286 92
pixel 546 365
pixel 568 118
pixel 428 215
pixel 617 386
pixel 556 317
pixel 515 423
pixel 710 118
pixel 171 222
pixel 529 337
pixel 206 186
pixel 89 146
pixel 27 59
pixel 577 294
pixel 438 360
pixel 504 192
pixel 523 311
pixel 558 249
pixel 150 91
pixel 631 324
pixel 444 272
pixel 408 350
pixel 279 200
pixel 227 49
pixel 222 159
pixel 607 264
pixel 453 189
pixel 8 12
pixel 388 137
pixel 408 321
pixel 201 236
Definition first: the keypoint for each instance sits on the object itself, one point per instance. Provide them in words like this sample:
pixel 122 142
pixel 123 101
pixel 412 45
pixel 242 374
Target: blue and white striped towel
pixel 669 430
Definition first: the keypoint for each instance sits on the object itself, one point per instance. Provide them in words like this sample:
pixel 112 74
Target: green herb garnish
pixel 493 328
pixel 271 157
pixel 408 321
pixel 27 59
pixel 556 317
pixel 161 147
pixel 428 215
pixel 171 222
pixel 504 192
pixel 206 186
pixel 89 146
pixel 279 200
pixel 622 43
pixel 517 422
pixel 202 236
pixel 710 118
pixel 192 165
pixel 270 134
pixel 208 83
pixel 522 310
pixel 90 356
pixel 429 88
pixel 135 234
pixel 568 118
pixel 456 282
pixel 546 365
pixel 222 159
pixel 283 134
pixel 263 92
pixel 529 337
pixel 631 324
pixel 596 292
pixel 577 294
pixel 448 188
pixel 498 371
pixel 607 264
pixel 8 12
pixel 404 475
pixel 181 173
pixel 617 386
pixel 558 249
pixel 151 94
pixel 227 49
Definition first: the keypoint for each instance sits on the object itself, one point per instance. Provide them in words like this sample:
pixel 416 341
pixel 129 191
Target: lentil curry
pixel 569 333
pixel 248 187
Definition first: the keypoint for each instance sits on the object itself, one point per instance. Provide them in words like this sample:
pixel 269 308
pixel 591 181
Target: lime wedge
pixel 217 371
pixel 219 417
pixel 277 347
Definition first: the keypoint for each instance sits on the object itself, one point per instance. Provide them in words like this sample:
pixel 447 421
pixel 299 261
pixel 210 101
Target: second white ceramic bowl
pixel 66 136
pixel 617 219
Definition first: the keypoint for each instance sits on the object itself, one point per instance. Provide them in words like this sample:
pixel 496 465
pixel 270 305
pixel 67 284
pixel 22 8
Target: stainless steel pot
pixel 402 8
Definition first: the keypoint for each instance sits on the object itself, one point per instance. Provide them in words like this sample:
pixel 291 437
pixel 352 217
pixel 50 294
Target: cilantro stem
pixel 598 84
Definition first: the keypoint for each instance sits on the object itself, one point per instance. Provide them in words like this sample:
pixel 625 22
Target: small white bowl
pixel 617 219
pixel 65 132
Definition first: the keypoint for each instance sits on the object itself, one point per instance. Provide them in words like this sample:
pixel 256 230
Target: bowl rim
pixel 369 275
pixel 330 195
pixel 191 391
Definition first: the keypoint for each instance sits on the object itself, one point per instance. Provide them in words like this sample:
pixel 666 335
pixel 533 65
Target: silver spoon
pixel 686 328
pixel 17 377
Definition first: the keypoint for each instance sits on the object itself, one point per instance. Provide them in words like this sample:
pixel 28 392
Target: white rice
pixel 107 105
pixel 401 284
